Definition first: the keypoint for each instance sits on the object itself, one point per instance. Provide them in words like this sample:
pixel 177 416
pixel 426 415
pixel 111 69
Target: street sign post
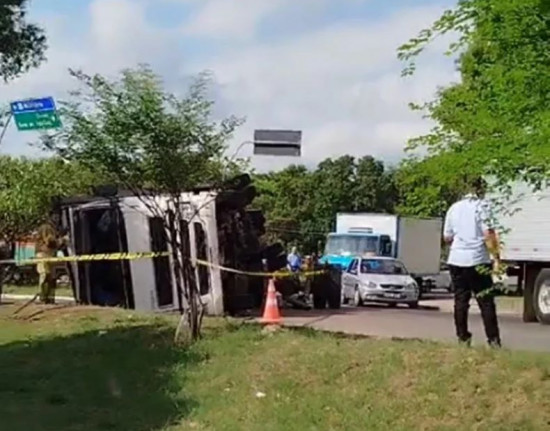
pixel 35 114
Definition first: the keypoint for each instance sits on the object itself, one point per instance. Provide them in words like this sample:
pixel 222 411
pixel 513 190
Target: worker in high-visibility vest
pixel 48 242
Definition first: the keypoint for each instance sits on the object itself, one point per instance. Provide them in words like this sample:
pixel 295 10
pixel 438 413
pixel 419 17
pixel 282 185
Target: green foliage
pixel 22 45
pixel 429 186
pixel 496 122
pixel 131 130
pixel 27 187
pixel 301 204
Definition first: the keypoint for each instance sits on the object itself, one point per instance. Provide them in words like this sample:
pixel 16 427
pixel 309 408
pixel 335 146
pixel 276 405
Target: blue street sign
pixel 33 105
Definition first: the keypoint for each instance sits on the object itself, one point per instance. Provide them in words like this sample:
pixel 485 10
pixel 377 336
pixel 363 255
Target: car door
pixel 349 279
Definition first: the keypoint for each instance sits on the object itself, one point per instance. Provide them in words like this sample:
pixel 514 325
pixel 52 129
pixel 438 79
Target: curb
pixel 15 297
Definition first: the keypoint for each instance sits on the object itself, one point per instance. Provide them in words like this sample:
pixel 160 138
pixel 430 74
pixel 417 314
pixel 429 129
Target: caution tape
pixel 89 258
pixel 150 255
pixel 276 274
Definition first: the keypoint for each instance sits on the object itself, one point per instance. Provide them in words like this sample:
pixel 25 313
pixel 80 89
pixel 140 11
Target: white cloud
pixel 240 20
pixel 340 84
pixel 118 36
pixel 222 19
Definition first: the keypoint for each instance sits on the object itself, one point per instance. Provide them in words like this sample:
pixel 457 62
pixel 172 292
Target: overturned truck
pixel 220 230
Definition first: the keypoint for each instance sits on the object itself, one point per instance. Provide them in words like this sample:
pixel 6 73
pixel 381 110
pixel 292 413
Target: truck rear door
pixel 419 244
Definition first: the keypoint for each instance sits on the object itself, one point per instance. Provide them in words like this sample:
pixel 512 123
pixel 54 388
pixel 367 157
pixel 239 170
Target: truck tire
pixel 542 296
pixel 451 288
pixel 420 284
pixel 334 297
pixel 319 301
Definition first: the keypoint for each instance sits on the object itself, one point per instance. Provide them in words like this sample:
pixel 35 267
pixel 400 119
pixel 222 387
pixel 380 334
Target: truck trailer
pixel 414 241
pixel 524 224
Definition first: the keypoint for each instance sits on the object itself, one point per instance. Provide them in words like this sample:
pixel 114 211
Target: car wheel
pixel 392 304
pixel 357 300
pixel 413 305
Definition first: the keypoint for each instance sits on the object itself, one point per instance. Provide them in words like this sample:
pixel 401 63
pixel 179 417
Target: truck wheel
pixel 451 288
pixel 421 286
pixel 319 301
pixel 542 297
pixel 334 298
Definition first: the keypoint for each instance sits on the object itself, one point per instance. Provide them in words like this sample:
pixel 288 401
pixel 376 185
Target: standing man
pixel 473 240
pixel 48 243
pixel 294 260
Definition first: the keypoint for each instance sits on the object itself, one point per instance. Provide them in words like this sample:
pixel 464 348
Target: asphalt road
pixel 424 323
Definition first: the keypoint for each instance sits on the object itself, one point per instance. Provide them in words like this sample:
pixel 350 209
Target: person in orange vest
pixel 48 242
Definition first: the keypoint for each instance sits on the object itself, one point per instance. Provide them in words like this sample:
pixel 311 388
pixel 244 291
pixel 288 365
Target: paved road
pixel 431 324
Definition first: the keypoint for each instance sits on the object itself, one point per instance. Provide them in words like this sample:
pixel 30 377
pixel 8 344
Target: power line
pixel 301 232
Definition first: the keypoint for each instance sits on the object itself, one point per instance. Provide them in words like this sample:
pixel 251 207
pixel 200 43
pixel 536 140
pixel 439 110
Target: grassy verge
pixel 98 369
pixel 33 290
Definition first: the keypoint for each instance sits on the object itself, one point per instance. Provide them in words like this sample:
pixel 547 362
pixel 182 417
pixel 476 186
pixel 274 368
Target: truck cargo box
pixel 416 242
pixel 525 223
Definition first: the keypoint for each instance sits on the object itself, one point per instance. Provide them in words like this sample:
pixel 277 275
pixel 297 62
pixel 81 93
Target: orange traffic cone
pixel 271 316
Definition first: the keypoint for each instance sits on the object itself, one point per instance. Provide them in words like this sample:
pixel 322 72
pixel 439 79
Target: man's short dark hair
pixel 476 185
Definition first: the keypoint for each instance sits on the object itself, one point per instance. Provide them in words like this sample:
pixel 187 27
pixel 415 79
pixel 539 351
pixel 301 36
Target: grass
pixel 33 290
pixel 99 369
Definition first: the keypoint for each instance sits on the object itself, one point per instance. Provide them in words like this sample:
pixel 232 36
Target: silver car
pixel 378 279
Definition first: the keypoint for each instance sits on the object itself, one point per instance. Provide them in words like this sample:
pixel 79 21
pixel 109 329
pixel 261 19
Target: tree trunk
pixel 173 240
pixel 1 282
pixel 6 251
pixel 191 309
pixel 193 295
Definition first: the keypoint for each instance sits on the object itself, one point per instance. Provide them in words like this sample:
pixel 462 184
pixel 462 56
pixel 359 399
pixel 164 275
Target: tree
pixel 496 121
pixel 425 189
pixel 27 188
pixel 375 188
pixel 301 204
pixel 286 199
pixel 153 143
pixel 22 44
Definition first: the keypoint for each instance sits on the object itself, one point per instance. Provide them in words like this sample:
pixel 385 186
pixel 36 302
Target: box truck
pixel 524 222
pixel 414 241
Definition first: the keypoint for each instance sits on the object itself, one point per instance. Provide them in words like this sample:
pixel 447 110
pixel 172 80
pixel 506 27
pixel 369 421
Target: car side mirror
pixel 397 271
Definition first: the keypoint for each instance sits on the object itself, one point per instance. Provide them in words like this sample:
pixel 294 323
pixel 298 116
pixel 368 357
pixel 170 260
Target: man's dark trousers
pixel 476 280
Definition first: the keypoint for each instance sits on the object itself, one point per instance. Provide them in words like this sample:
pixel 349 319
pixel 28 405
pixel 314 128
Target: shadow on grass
pixel 119 379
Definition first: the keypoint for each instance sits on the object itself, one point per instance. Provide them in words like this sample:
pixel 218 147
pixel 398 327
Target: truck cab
pixel 341 248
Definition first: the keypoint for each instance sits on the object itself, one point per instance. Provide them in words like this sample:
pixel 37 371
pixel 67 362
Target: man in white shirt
pixel 472 238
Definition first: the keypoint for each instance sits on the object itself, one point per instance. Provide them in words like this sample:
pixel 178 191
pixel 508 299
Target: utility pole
pixel 5 128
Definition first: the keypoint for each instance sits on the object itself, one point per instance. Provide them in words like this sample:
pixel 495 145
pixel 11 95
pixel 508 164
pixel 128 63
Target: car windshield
pixel 382 266
pixel 351 244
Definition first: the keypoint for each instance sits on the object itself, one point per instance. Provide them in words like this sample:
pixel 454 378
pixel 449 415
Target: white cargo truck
pixel 525 225
pixel 415 242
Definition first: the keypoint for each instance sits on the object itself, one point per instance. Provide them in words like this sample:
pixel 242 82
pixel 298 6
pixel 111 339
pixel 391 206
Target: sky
pixel 326 67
